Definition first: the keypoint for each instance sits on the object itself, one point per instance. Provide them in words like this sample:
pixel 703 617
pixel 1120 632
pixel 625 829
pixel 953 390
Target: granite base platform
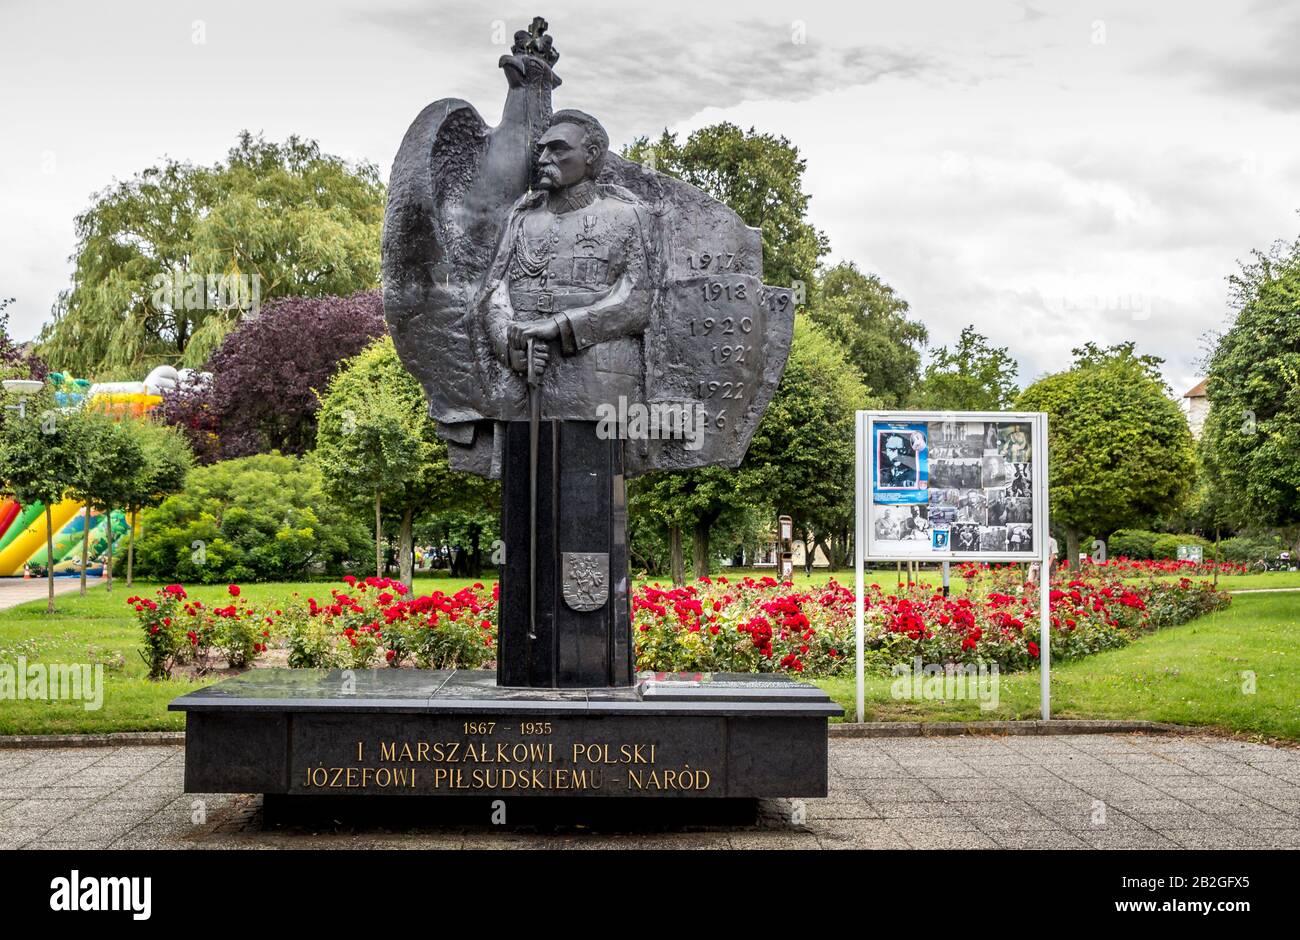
pixel 408 732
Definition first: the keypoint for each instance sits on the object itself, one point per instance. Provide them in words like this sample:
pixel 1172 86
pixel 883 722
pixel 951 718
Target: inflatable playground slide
pixel 22 528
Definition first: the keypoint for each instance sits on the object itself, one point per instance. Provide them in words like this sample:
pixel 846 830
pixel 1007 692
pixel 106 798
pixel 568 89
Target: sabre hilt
pixel 534 378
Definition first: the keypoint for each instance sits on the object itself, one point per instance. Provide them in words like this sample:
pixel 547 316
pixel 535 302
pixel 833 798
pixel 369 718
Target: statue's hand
pixel 518 334
pixel 519 358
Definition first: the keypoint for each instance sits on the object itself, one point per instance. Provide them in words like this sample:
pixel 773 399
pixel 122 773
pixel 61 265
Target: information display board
pixel 953 486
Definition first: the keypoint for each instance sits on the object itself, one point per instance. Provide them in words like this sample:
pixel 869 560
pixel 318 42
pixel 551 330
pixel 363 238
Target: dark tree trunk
pixel 1217 556
pixel 677 560
pixel 108 560
pixel 700 548
pixel 1072 536
pixel 476 553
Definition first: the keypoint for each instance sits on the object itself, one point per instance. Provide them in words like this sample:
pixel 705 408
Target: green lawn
pixel 1188 674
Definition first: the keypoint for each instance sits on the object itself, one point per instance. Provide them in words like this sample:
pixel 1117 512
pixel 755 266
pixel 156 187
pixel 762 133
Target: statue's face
pixel 562 161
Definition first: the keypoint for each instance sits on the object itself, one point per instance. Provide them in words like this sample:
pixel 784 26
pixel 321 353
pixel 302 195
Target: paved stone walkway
pixel 1068 791
pixel 15 591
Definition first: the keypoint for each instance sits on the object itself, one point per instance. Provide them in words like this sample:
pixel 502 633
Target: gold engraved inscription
pixel 530 765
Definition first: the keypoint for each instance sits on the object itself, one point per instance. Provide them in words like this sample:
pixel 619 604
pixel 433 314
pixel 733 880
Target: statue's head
pixel 572 150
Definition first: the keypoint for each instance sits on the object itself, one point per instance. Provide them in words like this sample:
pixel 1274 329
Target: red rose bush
pixel 717 625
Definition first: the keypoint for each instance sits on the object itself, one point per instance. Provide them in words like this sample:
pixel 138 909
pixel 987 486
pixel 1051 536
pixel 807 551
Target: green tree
pixel 868 320
pixel 1250 444
pixel 376 444
pixel 302 222
pixel 760 177
pixel 803 448
pixel 1120 451
pixel 38 456
pixel 692 501
pixel 972 376
pixel 109 463
pixel 167 462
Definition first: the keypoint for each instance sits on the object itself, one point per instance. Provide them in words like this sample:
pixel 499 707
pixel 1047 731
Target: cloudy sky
pixel 1052 172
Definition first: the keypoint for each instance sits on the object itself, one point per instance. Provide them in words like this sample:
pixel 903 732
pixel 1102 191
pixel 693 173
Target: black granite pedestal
pixel 299 733
pixel 582 637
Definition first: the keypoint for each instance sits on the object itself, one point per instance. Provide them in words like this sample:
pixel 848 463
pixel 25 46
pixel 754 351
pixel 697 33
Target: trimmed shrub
pixel 1131 543
pixel 1248 549
pixel 262 518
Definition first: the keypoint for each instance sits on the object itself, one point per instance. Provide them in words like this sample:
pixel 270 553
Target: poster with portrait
pixel 953 486
pixel 900 464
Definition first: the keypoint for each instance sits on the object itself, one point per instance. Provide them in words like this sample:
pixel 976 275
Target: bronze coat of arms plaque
pixel 584 579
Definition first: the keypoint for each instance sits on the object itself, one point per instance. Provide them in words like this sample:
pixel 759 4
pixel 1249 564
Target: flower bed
pixel 372 621
pixel 716 625
pixel 712 625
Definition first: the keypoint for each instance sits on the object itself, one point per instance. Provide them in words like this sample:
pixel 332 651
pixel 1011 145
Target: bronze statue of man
pixel 572 273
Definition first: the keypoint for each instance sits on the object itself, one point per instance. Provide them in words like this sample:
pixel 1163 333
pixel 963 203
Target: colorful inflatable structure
pixel 22 528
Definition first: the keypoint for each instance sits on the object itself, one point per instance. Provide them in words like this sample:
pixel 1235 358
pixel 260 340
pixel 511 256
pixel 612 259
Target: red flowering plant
pixel 767 626
pixel 1129 567
pixel 375 618
pixel 163 636
pixel 716 625
pixel 181 629
pixel 242 631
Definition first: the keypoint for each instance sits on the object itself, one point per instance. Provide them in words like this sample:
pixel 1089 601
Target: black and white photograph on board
pixel 996 506
pixel 943 515
pixel 1019 509
pixel 952 440
pixel 1020 537
pixel 1021 480
pixel 944 496
pixel 962 473
pixel 993 471
pixel 993 538
pixel 907 522
pixel 972 507
pixel 965 537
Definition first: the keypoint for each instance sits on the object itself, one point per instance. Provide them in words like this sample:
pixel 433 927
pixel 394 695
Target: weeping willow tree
pixel 168 261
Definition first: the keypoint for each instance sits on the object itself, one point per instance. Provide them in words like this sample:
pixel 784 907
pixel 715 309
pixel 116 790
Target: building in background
pixel 1196 406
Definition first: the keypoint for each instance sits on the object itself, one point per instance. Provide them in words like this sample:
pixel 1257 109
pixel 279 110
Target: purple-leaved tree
pixel 265 374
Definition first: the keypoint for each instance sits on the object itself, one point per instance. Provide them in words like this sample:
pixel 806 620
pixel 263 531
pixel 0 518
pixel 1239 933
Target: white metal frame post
pixel 1044 582
pixel 859 552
